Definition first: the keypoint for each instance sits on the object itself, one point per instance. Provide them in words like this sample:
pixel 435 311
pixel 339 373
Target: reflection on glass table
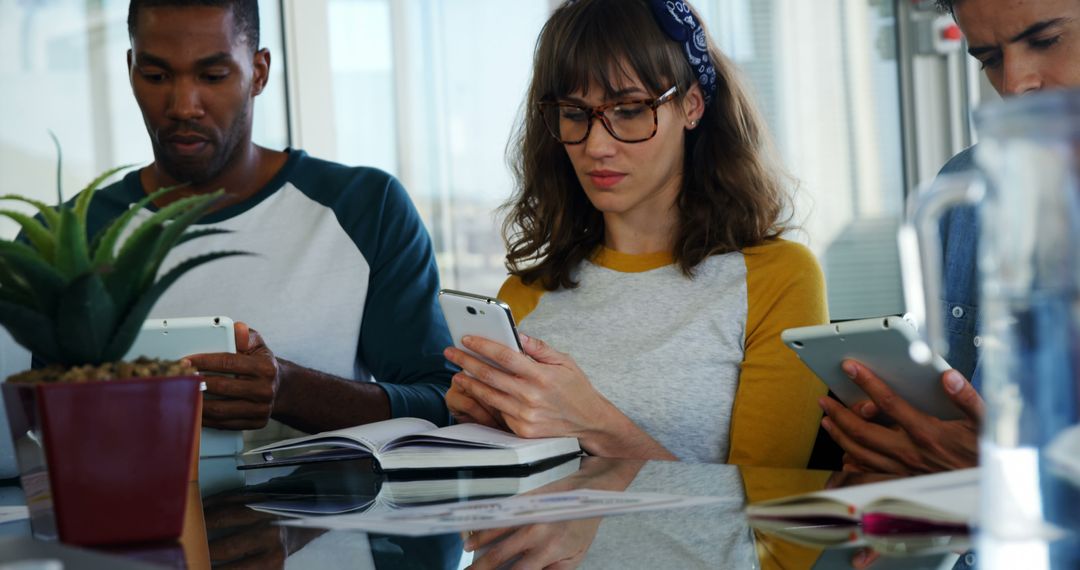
pixel 716 536
pixel 224 531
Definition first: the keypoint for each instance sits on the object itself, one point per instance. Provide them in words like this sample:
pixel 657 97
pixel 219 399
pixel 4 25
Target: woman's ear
pixel 693 106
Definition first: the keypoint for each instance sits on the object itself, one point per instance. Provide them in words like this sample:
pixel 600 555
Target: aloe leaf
pixel 13 289
pixel 124 279
pixel 36 232
pixel 86 315
pixel 105 241
pixel 59 169
pixel 41 279
pixel 72 255
pixel 48 213
pixel 16 296
pixel 175 230
pixel 163 215
pixel 125 333
pixel 31 329
pixel 82 202
pixel 196 234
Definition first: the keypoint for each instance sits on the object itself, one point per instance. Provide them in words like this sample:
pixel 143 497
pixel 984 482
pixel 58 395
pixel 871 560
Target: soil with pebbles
pixel 139 368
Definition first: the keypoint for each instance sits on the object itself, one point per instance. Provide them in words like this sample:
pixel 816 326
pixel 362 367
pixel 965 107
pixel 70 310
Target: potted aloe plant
pixel 104 447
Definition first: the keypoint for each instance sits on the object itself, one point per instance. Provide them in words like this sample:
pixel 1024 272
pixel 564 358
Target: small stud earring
pixel 693 124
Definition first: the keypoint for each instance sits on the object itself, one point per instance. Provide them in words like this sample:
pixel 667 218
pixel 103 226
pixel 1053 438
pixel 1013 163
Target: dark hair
pixel 946 5
pixel 731 197
pixel 245 15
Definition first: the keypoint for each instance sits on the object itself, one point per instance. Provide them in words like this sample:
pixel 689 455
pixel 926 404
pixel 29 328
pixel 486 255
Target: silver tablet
pixel 884 346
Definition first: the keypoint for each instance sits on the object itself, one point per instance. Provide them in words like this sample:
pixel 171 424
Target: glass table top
pixel 232 514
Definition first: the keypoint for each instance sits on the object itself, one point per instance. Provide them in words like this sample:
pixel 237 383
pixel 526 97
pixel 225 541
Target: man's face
pixel 1024 45
pixel 195 78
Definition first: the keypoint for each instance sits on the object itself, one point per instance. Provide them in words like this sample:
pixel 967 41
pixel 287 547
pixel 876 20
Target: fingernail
pixel 866 411
pixel 954 381
pixel 850 368
pixel 822 404
pixel 825 423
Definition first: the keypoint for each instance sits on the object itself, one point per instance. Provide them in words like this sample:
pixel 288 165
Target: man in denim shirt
pixel 960 301
pixel 1024 47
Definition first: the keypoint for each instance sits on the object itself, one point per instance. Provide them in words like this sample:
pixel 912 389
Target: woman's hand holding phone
pixel 543 393
pixel 511 381
pixel 467 410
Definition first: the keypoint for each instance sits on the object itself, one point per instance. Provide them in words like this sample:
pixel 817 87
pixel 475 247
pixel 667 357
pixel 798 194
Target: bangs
pixel 610 44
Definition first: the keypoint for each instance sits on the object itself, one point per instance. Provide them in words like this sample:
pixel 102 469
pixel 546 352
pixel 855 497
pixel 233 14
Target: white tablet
pixel 884 346
pixel 173 339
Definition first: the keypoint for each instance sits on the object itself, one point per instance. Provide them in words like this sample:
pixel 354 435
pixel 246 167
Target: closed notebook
pixel 414 443
pixel 395 494
pixel 914 504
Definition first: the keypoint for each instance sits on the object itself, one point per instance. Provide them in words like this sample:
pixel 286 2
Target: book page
pixel 499 513
pixel 308 505
pixel 372 437
pixel 948 497
pixel 468 435
pixel 805 507
pixel 953 492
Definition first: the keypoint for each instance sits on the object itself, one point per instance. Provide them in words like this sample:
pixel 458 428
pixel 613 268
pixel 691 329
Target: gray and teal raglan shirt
pixel 343 281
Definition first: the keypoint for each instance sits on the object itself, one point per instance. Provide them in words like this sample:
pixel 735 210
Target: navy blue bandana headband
pixel 679 24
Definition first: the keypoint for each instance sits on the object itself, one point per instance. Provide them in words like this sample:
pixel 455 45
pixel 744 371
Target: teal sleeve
pixel 403 332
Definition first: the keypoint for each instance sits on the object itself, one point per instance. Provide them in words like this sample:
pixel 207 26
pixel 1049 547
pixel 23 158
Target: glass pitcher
pixel 1026 187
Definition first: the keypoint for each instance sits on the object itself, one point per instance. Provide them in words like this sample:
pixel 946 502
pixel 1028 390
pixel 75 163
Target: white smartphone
pixel 173 339
pixel 475 315
pixel 884 346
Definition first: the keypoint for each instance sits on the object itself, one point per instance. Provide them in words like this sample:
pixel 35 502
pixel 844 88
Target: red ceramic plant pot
pixel 105 462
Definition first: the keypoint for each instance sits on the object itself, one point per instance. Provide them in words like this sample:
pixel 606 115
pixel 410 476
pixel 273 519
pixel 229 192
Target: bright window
pixel 824 74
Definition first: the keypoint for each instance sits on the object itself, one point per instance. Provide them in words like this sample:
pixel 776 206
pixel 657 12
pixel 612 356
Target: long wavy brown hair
pixel 732 194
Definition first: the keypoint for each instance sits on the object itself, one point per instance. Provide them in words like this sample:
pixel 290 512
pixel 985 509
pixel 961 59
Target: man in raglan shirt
pixel 342 289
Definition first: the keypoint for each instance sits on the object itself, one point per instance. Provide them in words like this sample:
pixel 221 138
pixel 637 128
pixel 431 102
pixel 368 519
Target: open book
pixel 394 494
pixel 413 443
pixel 830 536
pixel 916 504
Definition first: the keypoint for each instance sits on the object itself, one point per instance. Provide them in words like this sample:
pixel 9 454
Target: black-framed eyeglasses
pixel 631 121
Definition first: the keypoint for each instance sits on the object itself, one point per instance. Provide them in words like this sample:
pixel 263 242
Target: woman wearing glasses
pixel 643 240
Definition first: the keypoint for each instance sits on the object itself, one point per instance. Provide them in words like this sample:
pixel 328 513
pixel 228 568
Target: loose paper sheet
pixel 1064 454
pixel 499 513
